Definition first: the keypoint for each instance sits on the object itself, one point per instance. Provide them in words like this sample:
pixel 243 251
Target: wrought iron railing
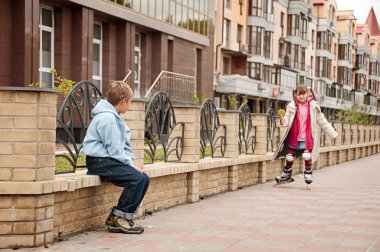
pixel 273 131
pixel 247 132
pixel 212 133
pixel 161 131
pixel 178 87
pixel 75 113
pixel 129 77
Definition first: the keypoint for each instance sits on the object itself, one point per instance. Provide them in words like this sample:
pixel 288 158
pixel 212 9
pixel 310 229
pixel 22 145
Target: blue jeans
pixel 134 182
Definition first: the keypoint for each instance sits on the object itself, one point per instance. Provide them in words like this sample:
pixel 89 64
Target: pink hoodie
pixel 295 129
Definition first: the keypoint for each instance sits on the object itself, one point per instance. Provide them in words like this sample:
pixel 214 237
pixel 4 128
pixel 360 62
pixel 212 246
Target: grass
pixel 62 164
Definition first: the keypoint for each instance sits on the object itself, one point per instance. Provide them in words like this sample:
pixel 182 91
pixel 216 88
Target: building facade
pixel 104 40
pixel 311 42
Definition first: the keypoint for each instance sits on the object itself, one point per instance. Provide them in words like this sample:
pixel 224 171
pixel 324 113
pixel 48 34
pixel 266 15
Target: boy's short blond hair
pixel 117 91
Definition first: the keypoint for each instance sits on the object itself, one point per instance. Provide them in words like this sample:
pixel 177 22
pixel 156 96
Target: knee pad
pixel 306 156
pixel 289 158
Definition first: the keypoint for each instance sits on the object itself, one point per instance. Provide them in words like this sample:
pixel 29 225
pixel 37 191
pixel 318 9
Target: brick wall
pixel 213 181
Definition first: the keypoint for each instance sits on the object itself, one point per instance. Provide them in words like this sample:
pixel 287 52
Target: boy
pixel 302 116
pixel 109 155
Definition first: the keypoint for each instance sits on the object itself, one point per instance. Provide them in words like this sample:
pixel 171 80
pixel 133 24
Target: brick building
pixel 103 40
pixel 292 42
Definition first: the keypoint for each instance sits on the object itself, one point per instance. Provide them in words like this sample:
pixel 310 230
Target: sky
pixel 361 8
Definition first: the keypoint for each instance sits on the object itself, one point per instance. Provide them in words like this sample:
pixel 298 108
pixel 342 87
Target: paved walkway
pixel 340 213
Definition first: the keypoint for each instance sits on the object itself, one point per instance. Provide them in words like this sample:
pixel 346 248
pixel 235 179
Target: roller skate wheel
pixel 275 184
pixel 308 187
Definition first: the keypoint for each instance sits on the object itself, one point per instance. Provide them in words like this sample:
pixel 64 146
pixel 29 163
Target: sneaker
pixel 121 225
pixel 109 218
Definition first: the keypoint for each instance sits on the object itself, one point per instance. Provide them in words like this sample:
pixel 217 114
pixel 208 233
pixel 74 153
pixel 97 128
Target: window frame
pixel 100 43
pixel 42 28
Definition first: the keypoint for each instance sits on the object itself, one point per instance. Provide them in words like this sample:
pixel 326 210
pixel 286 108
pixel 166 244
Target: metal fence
pixel 160 137
pixel 273 131
pixel 212 133
pixel 75 113
pixel 178 87
pixel 247 132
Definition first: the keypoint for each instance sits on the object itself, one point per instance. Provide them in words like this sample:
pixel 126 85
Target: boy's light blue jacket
pixel 108 135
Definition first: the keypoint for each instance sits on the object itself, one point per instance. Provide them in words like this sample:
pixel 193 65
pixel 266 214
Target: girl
pixel 302 116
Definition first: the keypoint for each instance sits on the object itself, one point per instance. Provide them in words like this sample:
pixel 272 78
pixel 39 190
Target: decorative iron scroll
pixel 273 132
pixel 247 132
pixel 210 133
pixel 332 122
pixel 75 113
pixel 160 124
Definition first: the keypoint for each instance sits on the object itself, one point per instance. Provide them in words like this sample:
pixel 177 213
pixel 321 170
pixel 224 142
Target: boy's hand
pixel 139 169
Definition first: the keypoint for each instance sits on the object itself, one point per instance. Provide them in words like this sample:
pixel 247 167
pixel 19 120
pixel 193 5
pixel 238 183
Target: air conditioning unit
pixel 244 48
pixel 261 86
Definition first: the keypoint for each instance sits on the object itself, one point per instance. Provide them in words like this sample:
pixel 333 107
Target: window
pixel 226 33
pixel 97 55
pixel 303 27
pixel 312 38
pixel 323 67
pixel 46 49
pixel 282 23
pixel 267 44
pixel 255 40
pixel 227 4
pixel 137 73
pixel 324 40
pixel 226 65
pixel 293 25
pixel 191 15
pixel 254 70
pixel 303 58
pixel 344 76
pixel 262 8
pixel 239 36
pixel 267 74
pixel 256 8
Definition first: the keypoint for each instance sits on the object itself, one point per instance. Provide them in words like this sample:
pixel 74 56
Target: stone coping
pixel 74 181
pixel 29 89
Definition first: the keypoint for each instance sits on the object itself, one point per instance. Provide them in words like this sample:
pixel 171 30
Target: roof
pixel 360 28
pixel 372 23
pixel 345 17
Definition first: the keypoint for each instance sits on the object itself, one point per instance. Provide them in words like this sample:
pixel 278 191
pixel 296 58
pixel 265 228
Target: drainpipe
pixel 220 44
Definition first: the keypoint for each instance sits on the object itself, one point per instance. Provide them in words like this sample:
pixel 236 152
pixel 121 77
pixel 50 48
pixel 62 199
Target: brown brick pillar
pixel 27 165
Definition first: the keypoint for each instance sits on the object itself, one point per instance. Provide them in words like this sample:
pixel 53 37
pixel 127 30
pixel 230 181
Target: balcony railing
pixel 178 87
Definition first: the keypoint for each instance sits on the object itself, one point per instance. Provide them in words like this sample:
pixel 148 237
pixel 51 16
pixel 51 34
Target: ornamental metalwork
pixel 163 136
pixel 273 131
pixel 332 122
pixel 212 133
pixel 247 132
pixel 73 118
